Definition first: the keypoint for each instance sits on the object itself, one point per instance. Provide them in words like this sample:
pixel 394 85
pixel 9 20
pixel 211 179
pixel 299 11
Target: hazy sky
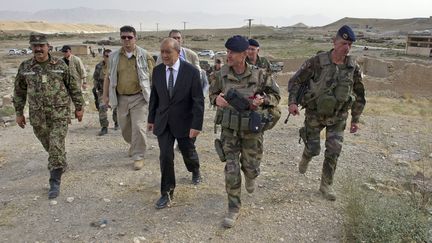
pixel 266 8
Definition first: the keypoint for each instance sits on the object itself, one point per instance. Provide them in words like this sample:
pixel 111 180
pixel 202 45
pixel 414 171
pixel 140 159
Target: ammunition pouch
pixel 242 121
pixel 236 100
pixel 255 122
pixel 219 150
pixel 342 92
pixel 326 104
pixel 308 101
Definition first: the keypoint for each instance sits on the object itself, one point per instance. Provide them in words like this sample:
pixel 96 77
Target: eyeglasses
pixel 124 37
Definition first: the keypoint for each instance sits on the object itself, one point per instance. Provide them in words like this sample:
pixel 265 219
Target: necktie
pixel 171 82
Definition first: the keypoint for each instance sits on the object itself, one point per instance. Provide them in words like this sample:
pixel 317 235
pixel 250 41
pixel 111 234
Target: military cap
pixel 65 48
pixel 346 33
pixel 237 43
pixel 38 38
pixel 253 42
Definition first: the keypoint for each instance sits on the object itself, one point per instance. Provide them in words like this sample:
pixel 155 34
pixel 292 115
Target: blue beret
pixel 237 43
pixel 253 42
pixel 346 33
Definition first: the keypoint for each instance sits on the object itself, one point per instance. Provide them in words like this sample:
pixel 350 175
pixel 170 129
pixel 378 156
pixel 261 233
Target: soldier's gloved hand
pixel 79 114
pixel 293 109
pixel 20 120
pixel 258 100
pixel 220 101
pixel 354 127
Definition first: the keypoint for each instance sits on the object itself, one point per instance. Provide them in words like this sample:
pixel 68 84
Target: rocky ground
pixel 104 200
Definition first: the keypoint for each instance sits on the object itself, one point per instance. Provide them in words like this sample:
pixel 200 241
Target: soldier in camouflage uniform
pixel 256 60
pixel 242 147
pixel 44 82
pixel 98 79
pixel 334 86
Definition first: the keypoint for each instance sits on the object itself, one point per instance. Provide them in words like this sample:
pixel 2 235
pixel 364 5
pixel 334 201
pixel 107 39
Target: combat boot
pixel 138 164
pixel 103 131
pixel 249 184
pixel 327 191
pixel 303 164
pixel 230 219
pixel 54 181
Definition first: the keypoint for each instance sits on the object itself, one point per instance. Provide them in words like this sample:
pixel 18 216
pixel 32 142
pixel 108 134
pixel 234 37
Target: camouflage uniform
pixel 98 78
pixel 261 62
pixel 343 82
pixel 243 149
pixel 48 87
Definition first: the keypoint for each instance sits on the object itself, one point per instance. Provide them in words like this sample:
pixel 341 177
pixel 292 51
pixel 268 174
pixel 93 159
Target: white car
pixel 220 53
pixel 14 52
pixel 26 51
pixel 208 53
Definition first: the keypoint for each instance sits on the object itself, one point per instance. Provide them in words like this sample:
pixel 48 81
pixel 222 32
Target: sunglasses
pixel 106 55
pixel 124 37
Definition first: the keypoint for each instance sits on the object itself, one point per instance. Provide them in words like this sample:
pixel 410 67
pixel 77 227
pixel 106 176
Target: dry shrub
pixel 374 217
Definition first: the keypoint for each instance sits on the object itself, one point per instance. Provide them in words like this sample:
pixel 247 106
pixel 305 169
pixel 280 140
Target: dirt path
pixel 285 207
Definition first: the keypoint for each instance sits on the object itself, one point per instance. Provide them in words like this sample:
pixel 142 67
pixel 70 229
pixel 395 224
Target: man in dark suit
pixel 176 112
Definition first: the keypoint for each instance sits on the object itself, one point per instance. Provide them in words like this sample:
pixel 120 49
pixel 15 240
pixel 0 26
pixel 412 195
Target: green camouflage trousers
pixel 243 151
pixel 50 127
pixel 103 115
pixel 334 138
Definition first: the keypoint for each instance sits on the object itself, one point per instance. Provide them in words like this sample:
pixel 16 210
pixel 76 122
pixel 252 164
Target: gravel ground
pixel 104 200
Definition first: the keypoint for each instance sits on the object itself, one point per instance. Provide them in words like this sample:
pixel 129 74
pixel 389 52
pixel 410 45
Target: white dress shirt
pixel 175 68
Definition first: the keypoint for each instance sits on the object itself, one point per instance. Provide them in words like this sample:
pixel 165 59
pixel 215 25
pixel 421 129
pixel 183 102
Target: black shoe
pixel 196 177
pixel 165 200
pixel 116 126
pixel 54 182
pixel 103 131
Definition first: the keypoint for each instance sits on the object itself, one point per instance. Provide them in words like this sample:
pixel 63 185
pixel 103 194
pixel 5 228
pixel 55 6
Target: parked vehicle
pixel 26 51
pixel 14 51
pixel 208 53
pixel 220 53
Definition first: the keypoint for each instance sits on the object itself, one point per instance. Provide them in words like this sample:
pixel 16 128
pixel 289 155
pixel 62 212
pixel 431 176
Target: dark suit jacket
pixel 185 110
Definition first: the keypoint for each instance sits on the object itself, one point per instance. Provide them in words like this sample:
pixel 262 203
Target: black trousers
pixel 166 158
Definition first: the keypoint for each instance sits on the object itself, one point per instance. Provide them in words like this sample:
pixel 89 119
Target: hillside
pixel 48 28
pixel 383 25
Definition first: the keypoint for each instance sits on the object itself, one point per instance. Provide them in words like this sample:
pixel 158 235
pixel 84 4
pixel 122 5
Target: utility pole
pixel 157 30
pixel 184 32
pixel 139 36
pixel 250 24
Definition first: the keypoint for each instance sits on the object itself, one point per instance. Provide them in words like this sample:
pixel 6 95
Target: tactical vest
pixel 332 91
pixel 229 117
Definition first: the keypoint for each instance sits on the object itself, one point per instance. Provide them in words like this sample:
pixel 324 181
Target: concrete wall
pixel 422 51
pixel 80 49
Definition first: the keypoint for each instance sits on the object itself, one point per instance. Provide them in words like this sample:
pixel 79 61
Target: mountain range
pixel 151 20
